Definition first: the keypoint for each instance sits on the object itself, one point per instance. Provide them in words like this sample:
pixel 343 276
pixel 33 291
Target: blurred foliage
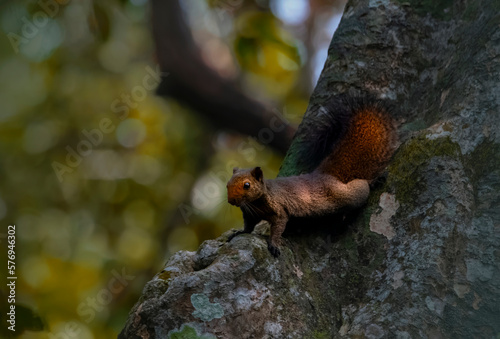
pixel 268 50
pixel 103 179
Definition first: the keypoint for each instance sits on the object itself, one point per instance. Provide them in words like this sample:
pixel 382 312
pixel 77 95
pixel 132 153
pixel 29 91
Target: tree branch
pixel 195 84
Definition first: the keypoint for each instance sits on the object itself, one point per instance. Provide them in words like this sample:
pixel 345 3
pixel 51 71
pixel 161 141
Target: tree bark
pixel 421 260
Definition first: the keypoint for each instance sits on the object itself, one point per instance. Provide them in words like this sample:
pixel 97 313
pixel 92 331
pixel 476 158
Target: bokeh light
pixel 98 173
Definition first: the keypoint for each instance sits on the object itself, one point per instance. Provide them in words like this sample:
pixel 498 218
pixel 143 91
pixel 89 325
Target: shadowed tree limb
pixel 192 82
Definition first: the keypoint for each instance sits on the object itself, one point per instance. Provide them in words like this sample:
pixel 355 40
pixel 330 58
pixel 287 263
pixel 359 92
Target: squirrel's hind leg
pixel 355 193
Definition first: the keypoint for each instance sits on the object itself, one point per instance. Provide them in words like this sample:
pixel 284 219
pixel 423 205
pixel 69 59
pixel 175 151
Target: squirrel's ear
pixel 257 173
pixel 235 169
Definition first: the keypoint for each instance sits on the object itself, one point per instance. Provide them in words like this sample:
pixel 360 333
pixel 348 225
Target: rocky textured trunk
pixel 421 260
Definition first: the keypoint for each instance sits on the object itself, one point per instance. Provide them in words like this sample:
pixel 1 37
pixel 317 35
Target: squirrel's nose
pixel 232 200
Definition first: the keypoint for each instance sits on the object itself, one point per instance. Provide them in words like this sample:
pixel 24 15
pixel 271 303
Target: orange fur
pixel 365 149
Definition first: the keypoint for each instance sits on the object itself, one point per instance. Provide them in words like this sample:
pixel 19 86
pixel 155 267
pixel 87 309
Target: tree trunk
pixel 421 260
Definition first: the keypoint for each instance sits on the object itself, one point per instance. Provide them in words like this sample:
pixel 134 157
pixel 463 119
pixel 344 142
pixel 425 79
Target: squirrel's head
pixel 246 185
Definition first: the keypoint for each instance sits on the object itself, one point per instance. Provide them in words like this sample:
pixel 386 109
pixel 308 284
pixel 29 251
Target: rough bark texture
pixel 421 260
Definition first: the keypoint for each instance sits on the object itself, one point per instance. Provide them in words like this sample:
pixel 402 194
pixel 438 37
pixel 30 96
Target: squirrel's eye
pixel 246 185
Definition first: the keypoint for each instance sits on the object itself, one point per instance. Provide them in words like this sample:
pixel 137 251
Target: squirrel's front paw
pixel 273 250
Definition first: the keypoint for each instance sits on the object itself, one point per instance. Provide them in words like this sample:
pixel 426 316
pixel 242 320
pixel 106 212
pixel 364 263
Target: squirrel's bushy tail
pixel 363 145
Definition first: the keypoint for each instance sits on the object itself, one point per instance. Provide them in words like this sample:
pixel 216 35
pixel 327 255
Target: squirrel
pixel 348 150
